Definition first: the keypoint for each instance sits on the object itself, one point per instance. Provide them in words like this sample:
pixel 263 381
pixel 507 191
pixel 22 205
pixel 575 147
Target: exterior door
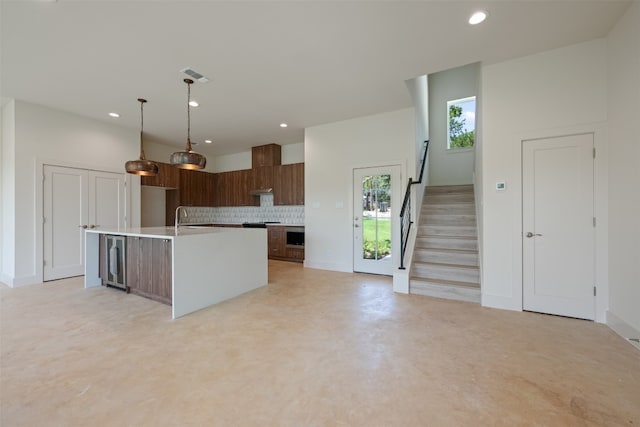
pixel 376 219
pixel 74 200
pixel 558 226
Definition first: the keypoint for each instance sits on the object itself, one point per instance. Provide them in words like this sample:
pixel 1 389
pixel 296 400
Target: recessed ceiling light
pixel 283 125
pixel 478 17
pixel 208 141
pixel 193 103
pixel 114 115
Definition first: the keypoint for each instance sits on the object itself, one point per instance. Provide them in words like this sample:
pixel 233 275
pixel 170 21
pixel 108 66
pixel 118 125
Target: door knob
pixel 356 225
pixel 530 234
pixel 92 226
pixel 83 226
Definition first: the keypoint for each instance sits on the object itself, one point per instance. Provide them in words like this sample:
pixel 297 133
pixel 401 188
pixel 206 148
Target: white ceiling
pixel 301 62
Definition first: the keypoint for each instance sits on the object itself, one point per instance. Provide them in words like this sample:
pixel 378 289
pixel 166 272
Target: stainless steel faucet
pixel 178 215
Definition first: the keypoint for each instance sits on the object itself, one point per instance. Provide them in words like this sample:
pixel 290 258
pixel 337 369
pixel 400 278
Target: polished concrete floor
pixel 313 348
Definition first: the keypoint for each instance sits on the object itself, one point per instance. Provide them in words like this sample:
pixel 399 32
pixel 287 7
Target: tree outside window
pixel 462 123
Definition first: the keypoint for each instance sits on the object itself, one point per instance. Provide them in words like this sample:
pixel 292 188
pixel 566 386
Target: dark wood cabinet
pixel 241 182
pixel 266 155
pixel 262 178
pixel 276 241
pixel 149 268
pixel 288 184
pixel 278 248
pixel 196 188
pixel 232 189
pixel 168 176
pixel 294 254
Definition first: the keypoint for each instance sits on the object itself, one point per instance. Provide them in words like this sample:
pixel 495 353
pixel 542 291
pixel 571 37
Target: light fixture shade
pixel 142 166
pixel 188 159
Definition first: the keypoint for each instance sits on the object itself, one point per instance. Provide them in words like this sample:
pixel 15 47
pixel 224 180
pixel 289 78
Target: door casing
pixel 95 179
pixel 396 188
pixel 558 233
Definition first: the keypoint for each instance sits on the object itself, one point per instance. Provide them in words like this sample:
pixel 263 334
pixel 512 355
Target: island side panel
pixel 211 268
pixel 92 260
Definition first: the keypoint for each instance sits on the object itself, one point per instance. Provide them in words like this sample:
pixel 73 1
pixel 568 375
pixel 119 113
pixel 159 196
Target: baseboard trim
pixel 328 266
pixel 623 329
pixel 503 303
pixel 14 282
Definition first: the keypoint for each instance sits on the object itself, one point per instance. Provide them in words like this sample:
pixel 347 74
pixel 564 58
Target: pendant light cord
pixel 188 115
pixel 142 101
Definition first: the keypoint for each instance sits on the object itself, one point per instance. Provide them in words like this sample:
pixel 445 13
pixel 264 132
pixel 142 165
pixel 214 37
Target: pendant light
pixel 188 159
pixel 141 166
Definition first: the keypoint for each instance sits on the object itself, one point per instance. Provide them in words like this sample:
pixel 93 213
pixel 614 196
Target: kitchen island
pixel 206 265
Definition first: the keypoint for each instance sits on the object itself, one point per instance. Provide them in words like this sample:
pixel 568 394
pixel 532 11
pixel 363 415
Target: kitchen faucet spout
pixel 178 209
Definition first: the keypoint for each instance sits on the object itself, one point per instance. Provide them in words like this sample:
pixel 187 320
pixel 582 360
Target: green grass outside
pixel 369 237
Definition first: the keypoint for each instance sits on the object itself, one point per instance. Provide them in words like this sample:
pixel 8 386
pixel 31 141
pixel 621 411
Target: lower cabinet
pixel 149 268
pixel 278 248
pixel 276 240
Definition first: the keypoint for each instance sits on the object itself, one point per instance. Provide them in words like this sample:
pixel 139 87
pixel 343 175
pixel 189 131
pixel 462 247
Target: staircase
pixel 445 258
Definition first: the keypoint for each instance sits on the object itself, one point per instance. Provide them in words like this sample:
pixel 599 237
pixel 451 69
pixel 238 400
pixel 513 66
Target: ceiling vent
pixel 194 75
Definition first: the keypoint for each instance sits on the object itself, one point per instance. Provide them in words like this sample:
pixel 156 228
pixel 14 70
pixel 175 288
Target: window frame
pixel 460 101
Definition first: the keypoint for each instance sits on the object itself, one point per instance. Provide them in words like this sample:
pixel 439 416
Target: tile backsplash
pixel 228 215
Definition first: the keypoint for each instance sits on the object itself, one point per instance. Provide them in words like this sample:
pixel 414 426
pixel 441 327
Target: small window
pixel 461 126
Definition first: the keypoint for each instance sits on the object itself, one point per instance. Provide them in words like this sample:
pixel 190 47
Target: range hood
pixel 261 191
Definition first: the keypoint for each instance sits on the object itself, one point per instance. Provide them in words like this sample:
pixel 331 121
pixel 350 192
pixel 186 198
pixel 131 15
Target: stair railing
pixel 405 212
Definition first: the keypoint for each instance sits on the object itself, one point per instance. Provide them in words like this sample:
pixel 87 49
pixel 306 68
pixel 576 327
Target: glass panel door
pixel 374 203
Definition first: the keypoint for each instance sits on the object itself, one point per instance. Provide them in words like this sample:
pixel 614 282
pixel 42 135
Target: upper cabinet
pixel 196 188
pixel 232 189
pixel 288 184
pixel 266 155
pixel 168 177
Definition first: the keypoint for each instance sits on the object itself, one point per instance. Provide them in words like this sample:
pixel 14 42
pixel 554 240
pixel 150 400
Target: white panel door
pixel 376 219
pixel 558 226
pixel 106 200
pixel 66 214
pixel 74 200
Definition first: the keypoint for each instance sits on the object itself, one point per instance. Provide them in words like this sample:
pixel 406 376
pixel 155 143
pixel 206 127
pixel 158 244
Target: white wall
pixel 478 183
pixel 44 135
pixel 7 195
pixel 623 60
pixel 449 167
pixel 154 202
pixel 232 162
pixel 331 153
pixel 291 153
pixel 555 92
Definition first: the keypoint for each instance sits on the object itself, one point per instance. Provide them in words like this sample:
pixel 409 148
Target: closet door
pixel 66 215
pixel 75 200
pixel 106 200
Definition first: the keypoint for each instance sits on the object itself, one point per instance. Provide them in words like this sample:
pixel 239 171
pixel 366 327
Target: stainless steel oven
pixel 295 237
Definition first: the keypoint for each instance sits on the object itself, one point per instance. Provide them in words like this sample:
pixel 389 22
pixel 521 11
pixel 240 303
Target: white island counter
pixel 208 264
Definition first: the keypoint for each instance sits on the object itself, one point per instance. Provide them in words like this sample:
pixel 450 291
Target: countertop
pixel 168 232
pixel 269 224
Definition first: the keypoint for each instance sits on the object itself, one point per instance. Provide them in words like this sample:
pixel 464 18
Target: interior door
pixel 375 220
pixel 74 200
pixel 558 226
pixel 66 193
pixel 106 200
